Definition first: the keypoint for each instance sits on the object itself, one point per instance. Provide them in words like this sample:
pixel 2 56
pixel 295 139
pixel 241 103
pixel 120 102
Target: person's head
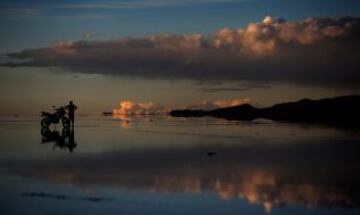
pixel 71 102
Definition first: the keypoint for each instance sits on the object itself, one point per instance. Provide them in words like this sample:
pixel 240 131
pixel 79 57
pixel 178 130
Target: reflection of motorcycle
pixel 60 114
pixel 65 140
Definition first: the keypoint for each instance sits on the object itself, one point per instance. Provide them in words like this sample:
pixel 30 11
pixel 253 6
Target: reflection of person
pixel 64 141
pixel 71 141
pixel 71 112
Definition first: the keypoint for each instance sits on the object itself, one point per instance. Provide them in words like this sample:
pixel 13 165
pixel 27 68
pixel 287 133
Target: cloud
pixel 318 51
pixel 129 108
pixel 211 105
pixel 223 89
pixel 216 87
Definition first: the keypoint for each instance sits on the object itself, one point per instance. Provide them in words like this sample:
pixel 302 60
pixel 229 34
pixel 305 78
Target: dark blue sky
pixel 29 24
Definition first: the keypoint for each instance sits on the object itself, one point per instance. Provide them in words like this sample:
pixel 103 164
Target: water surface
pixel 161 165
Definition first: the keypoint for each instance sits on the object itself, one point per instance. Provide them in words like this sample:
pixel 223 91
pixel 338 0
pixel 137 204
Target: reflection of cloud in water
pixel 258 187
pixel 124 119
pixel 313 175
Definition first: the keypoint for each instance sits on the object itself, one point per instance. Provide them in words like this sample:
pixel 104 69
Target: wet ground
pixel 161 165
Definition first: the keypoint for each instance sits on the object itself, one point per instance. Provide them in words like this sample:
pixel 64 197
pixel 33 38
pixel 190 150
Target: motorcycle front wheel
pixel 65 122
pixel 45 122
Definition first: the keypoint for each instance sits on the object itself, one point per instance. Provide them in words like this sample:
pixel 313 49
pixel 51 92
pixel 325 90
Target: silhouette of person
pixel 71 112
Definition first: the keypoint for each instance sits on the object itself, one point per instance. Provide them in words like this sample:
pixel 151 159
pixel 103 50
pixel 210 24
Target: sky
pixel 29 24
pixel 174 52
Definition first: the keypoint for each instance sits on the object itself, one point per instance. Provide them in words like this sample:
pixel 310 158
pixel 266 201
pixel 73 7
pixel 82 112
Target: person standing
pixel 71 112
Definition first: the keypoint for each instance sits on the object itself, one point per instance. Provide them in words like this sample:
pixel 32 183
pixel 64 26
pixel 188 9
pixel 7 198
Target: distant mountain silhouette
pixel 340 110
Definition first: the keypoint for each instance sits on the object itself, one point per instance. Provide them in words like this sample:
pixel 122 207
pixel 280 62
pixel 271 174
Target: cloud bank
pixel 211 105
pixel 318 51
pixel 130 108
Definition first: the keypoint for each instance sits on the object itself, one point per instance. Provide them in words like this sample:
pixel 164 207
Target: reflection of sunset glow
pixel 258 187
pixel 124 119
pixel 255 182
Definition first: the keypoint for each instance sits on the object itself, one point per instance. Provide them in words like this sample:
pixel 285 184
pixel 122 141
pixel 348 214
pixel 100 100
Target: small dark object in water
pixel 63 197
pixel 107 113
pixel 211 153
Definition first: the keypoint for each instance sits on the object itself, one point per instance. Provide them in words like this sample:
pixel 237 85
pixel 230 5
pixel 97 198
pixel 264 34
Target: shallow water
pixel 163 165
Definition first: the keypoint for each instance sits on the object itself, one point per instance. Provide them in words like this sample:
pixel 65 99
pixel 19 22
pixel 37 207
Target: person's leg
pixel 71 119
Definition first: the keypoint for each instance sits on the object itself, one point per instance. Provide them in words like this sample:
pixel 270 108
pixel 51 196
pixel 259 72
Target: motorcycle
pixel 59 114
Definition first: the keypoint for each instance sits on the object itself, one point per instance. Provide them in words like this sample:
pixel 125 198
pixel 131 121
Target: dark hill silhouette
pixel 339 110
pixel 243 112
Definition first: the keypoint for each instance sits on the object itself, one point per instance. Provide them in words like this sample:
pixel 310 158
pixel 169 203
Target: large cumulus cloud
pixel 321 51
